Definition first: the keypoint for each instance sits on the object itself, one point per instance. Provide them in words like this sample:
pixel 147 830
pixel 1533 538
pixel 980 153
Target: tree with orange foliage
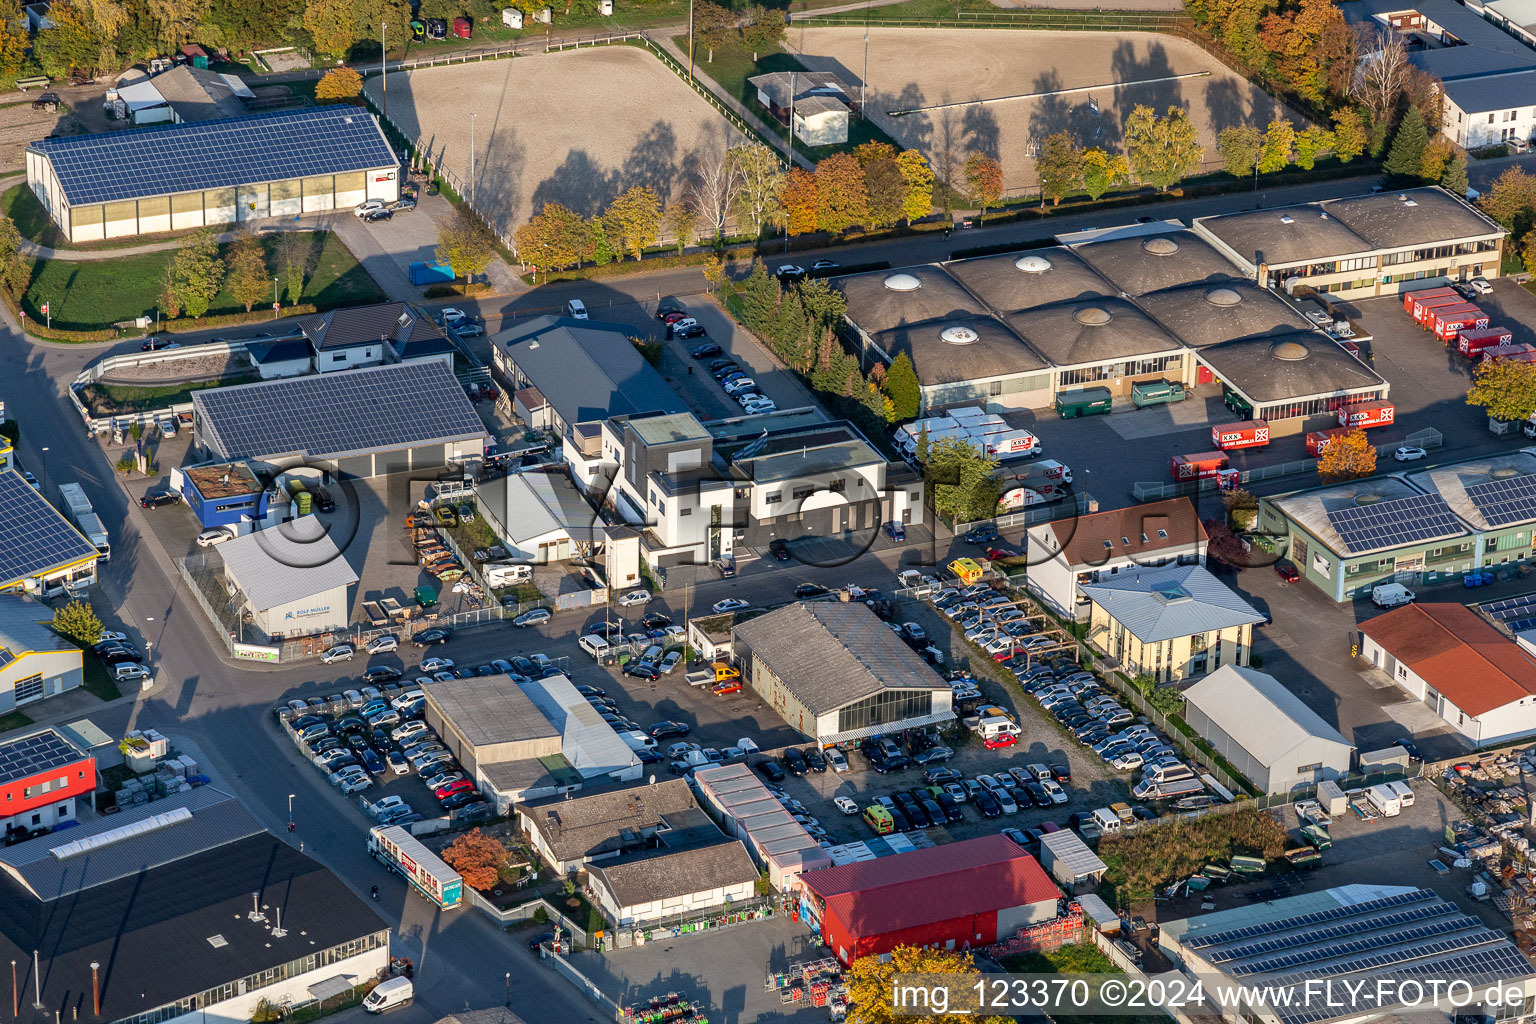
pixel 799 199
pixel 1314 50
pixel 477 857
pixel 984 180
pixel 1347 457
pixel 842 198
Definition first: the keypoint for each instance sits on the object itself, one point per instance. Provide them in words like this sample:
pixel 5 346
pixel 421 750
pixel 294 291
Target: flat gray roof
pixel 488 710
pixel 1278 367
pixel 1419 216
pixel 668 429
pixel 287 562
pixel 1290 234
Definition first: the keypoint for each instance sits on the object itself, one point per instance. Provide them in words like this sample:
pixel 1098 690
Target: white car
pixel 109 634
pixel 126 670
pixel 452 316
pixel 364 208
pixel 1127 762
pixel 1409 453
pixel 355 783
pixel 435 665
pixel 408 730
pixel 1480 285
pixel 634 597
pixel 167 425
pixel 1054 791
pixel 740 384
pixel 341 652
pixel 730 604
pixel 845 804
pixel 836 760
pixel 758 408
pixel 217 535
pixel 384 644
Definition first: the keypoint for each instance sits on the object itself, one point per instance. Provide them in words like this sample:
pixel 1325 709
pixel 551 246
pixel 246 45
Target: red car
pixel 444 792
pixel 998 742
pixel 729 686
pixel 1287 572
pixel 993 554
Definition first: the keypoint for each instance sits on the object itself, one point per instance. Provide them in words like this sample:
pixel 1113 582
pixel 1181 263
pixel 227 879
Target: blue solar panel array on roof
pixel 34 538
pixel 154 161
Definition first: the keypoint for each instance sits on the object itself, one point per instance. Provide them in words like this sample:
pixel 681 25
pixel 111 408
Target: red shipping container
pixel 1448 326
pixel 1475 340
pixel 1318 439
pixel 1197 467
pixel 1367 414
pixel 1409 298
pixel 1252 434
pixel 1422 307
pixel 1434 313
pixel 1519 352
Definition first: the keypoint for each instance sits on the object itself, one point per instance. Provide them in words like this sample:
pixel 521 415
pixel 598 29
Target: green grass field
pixel 95 294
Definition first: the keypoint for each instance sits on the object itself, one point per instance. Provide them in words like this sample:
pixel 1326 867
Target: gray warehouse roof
pixel 1278 367
pixel 140 162
pixel 1291 234
pixel 1071 333
pixel 885 299
pixel 198 94
pixel 1023 280
pixel 585 369
pixel 1065 847
pixel 489 709
pixel 1162 603
pixel 1143 263
pixel 830 654
pixel 668 874
pixel 1205 314
pixel 287 562
pixel 329 415
pixel 530 505
pixel 1487 494
pixel 1258 713
pixel 22 629
pixel 964 348
pixel 586 825
pixel 1489 92
pixel 1419 216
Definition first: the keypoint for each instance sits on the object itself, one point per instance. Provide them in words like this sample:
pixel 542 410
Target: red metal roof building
pixel 956 896
pixel 41 774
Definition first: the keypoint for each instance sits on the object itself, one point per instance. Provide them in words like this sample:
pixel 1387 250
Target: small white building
pixel 1068 553
pixel 540 517
pixel 290 578
pixel 1264 730
pixel 817 100
pixel 670 883
pixel 1481 683
pixel 35 662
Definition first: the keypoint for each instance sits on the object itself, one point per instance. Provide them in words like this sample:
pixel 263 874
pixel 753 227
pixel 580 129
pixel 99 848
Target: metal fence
pixel 1081 504
pixel 773 142
pixel 1153 491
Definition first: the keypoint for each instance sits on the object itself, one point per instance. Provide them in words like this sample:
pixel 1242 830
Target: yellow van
pixel 879 819
pixel 967 570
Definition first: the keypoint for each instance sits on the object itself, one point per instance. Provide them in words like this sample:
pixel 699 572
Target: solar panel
pixel 34 537
pixel 1331 950
pixel 1303 920
pixel 34 754
pixel 333 414
pixel 1315 935
pixel 154 161
pixel 1507 500
pixel 1389 524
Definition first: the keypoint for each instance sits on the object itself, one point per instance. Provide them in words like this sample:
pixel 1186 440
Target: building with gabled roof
pixel 1170 622
pixel 40 550
pixel 233 170
pixel 290 578
pixel 1481 682
pixel 1086 549
pixel 1265 731
pixel 836 673
pixel 571 832
pixel 956 896
pixel 667 883
pixel 35 662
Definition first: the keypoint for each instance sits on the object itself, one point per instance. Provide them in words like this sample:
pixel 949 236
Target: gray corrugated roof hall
pixel 830 654
pixel 1162 603
pixel 288 562
pixel 585 369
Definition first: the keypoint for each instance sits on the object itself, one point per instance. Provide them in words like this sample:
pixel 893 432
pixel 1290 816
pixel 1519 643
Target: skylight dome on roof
pixel 903 283
pixel 959 336
pixel 1092 316
pixel 1223 297
pixel 1162 245
pixel 1032 264
pixel 1289 351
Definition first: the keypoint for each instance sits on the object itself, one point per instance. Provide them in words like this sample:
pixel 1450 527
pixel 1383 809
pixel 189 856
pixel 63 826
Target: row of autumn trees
pixel 202 267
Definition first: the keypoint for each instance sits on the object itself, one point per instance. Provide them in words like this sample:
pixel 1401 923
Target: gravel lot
pixel 539 139
pixel 916 67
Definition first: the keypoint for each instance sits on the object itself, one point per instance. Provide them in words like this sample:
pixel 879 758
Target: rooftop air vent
pixel 1289 351
pixel 1410 202
pixel 1032 264
pixel 1092 316
pixel 1223 297
pixel 903 283
pixel 217 941
pixel 1162 245
pixel 959 336
pixel 1286 218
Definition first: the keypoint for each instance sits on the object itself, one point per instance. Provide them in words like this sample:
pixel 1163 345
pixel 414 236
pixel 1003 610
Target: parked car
pixel 432 636
pixel 384 644
pixel 1287 571
pixel 706 350
pixel 779 549
pixel 532 617
pixel 1409 453
pixel 730 604
pixel 634 597
pixel 341 652
pixel 381 674
pixel 156 499
pixel 771 770
pixel 217 535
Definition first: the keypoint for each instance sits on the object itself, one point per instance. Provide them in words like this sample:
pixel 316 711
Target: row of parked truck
pixel 78 508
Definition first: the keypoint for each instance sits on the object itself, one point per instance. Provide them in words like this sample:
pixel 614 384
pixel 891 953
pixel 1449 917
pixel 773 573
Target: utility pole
pixel 690 40
pixel 472 159
pixel 384 68
pixel 864 78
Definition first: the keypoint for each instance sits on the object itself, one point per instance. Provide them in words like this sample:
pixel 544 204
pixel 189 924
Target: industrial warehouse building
pixel 1106 308
pixel 231 171
pixel 1378 244
pixel 744 808
pixel 837 674
pixel 289 579
pixel 1424 527
pixel 581 829
pixel 35 662
pixel 956 896
pixel 1265 731
pixel 365 422
pixel 1479 681
pixel 40 552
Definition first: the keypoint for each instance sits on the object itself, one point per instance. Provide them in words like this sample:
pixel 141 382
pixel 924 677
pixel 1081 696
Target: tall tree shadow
pixel 1226 105
pixel 980 131
pixel 578 184
pixel 499 189
pixel 652 162
pixel 1082 118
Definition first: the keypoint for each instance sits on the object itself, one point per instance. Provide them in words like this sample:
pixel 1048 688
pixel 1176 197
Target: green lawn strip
pixel 13 720
pixel 19 204
pixel 97 680
pixel 95 294
pixel 1074 959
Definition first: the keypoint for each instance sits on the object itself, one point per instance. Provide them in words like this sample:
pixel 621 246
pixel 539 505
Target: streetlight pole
pixel 149 644
pixel 290 813
pixel 384 68
pixel 863 79
pixel 45 472
pixel 690 40
pixel 509 988
pixel 274 298
pixel 472 159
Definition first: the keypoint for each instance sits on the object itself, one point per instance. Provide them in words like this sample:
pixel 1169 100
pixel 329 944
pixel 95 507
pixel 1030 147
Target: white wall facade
pixel 295 990
pixel 1501 725
pixel 672 906
pixel 284 368
pixel 307 615
pixel 1472 129
pixel 350 358
pixel 38 674
pixel 1059 584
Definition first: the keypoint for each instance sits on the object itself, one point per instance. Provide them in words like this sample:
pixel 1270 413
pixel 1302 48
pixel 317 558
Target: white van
pixel 1390 595
pixel 1169 773
pixel 992 728
pixel 576 309
pixel 1107 820
pixel 506 574
pixel 638 740
pixel 1386 800
pixel 595 646
pixel 390 995
pixel 1404 792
